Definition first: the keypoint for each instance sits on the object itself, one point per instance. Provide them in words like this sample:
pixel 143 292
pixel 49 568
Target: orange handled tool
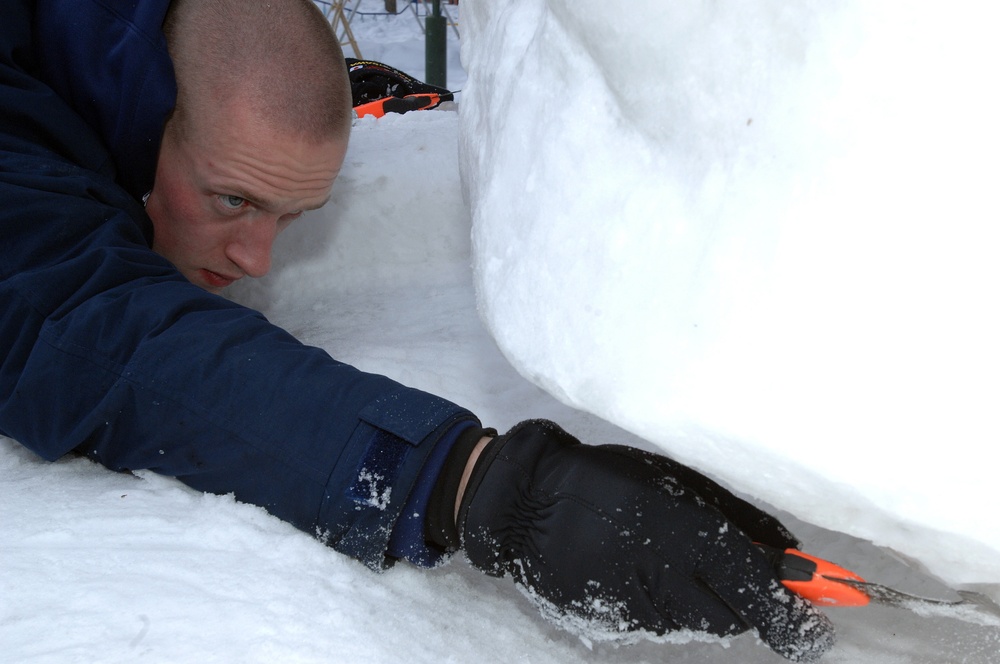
pixel 826 584
pixel 415 102
pixel 819 581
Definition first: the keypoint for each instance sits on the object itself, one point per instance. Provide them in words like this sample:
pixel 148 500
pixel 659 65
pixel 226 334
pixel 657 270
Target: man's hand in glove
pixel 614 539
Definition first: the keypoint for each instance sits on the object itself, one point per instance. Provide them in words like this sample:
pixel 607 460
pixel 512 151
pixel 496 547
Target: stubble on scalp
pixel 280 59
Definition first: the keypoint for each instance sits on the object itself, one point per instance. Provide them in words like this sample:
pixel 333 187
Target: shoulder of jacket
pixel 108 59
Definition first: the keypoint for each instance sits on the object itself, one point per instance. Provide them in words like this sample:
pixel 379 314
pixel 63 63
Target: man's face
pixel 221 197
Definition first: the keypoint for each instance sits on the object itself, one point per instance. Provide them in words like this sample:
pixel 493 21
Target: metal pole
pixel 436 48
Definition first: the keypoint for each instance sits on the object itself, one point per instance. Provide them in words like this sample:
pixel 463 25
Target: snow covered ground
pixel 104 567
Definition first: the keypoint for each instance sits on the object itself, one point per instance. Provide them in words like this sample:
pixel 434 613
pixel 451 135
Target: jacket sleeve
pixel 106 349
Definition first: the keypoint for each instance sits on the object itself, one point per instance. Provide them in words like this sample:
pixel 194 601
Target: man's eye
pixel 232 202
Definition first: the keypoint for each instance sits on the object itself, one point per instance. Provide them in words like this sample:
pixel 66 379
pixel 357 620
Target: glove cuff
pixel 439 527
pixel 504 473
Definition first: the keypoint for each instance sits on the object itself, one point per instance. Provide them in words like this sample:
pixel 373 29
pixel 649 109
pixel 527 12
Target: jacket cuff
pixel 412 538
pixel 393 452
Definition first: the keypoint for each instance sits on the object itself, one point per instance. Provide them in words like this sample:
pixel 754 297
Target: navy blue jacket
pixel 105 348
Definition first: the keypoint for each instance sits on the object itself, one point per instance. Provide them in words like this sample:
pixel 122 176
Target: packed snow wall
pixel 763 236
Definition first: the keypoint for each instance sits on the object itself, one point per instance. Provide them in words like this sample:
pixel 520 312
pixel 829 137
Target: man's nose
pixel 250 248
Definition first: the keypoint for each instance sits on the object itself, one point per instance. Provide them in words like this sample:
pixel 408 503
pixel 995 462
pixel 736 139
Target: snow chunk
pixel 759 236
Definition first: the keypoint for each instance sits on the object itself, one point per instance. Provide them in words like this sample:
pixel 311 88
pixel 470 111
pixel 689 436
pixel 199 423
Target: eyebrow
pixel 270 204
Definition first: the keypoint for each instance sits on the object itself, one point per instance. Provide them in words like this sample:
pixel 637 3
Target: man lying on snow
pixel 116 344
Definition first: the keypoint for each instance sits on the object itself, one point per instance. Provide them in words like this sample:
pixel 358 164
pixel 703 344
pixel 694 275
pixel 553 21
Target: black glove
pixel 618 540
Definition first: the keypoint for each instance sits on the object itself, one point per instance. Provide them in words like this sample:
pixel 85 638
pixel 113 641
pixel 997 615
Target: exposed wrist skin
pixel 440 527
pixel 467 473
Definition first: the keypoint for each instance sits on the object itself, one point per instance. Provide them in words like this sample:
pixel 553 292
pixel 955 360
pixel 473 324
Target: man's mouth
pixel 216 280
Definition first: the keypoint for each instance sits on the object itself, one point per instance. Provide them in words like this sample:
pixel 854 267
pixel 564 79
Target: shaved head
pixel 279 59
pixel 258 135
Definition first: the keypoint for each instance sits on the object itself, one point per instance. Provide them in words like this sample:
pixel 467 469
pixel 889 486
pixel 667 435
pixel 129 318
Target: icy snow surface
pixel 763 236
pixel 104 567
